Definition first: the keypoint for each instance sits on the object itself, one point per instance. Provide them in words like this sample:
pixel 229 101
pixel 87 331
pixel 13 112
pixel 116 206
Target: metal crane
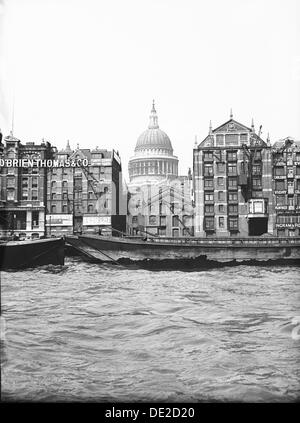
pixel 246 172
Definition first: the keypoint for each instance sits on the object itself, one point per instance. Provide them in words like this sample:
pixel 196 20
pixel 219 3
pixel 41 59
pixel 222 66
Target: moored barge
pixel 30 253
pixel 210 249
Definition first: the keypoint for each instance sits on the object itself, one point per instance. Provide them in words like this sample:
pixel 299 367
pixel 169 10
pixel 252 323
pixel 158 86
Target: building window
pixel 90 195
pixel 208 183
pixel 35 219
pixel 281 232
pixel 162 208
pixel 209 208
pixel 231 156
pixel 208 155
pixel 220 181
pixel 175 233
pixel 162 231
pixel 65 185
pixel 163 220
pixel 232 169
pixel 232 196
pixel 175 221
pixel 53 209
pixel 209 223
pixel 53 196
pixel 53 184
pixel 209 197
pixel 233 208
pixel 233 223
pixel 280 200
pixel 221 208
pixel 208 170
pixel 34 182
pixel 221 196
pixel 280 185
pixel 232 183
pixel 65 196
pixel 256 170
pixel 134 219
pixel 90 208
pixel 65 209
pixel 152 220
pixel 11 182
pixel 231 139
pixel 257 155
pixel 279 171
pixel 34 195
pixel 10 195
pixel 244 138
pixel 221 222
pixel 256 182
pixel 25 195
pixel 220 167
pixel 25 183
pixel 219 140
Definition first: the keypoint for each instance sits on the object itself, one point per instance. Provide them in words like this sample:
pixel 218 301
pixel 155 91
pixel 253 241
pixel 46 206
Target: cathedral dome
pixel 154 138
pixel 153 159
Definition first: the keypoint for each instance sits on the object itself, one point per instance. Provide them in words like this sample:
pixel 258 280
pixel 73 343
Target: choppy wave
pixel 90 332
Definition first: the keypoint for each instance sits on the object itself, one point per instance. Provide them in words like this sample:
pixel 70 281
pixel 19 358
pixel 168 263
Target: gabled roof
pixel 231 127
pixel 236 126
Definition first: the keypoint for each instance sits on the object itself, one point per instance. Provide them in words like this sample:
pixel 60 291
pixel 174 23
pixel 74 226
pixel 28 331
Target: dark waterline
pixel 91 332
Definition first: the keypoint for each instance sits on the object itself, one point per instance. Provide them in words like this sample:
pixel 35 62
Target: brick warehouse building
pixel 233 182
pixel 286 186
pixel 23 189
pixel 85 198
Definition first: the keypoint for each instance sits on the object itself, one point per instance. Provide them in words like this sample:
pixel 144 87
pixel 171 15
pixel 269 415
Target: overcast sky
pixel 88 70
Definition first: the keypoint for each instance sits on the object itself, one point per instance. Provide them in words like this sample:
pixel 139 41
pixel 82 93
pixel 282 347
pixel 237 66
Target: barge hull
pixel 114 249
pixel 22 254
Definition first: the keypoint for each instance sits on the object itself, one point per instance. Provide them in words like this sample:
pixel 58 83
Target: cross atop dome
pixel 153 124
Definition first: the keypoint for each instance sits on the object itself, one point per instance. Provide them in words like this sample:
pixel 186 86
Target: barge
pixel 30 253
pixel 222 250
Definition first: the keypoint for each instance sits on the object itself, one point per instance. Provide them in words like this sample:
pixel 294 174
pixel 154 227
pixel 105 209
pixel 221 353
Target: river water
pixel 90 332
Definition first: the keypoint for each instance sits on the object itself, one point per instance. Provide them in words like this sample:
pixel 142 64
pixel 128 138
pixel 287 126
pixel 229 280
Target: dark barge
pixel 30 253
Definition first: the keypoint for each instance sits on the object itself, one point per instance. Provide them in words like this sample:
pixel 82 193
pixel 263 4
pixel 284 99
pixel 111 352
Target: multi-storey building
pixel 85 198
pixel 160 201
pixel 23 188
pixel 2 189
pixel 286 186
pixel 233 182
